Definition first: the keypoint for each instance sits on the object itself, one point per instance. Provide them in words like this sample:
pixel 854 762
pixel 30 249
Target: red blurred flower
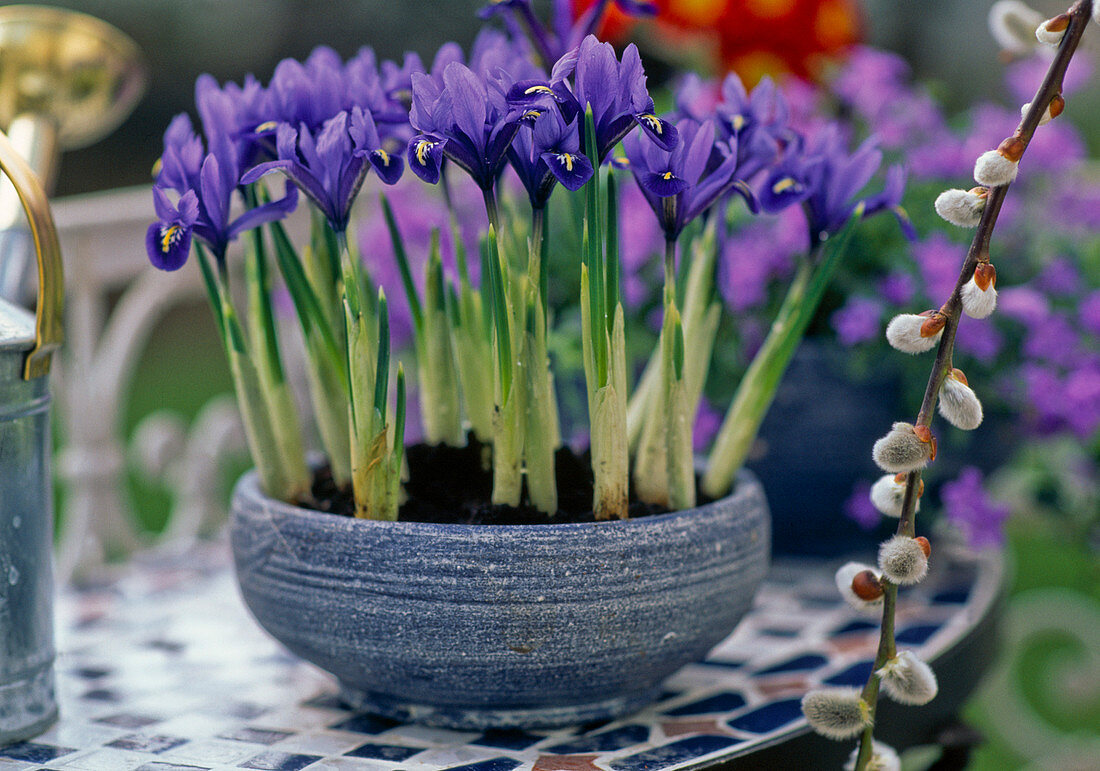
pixel 754 37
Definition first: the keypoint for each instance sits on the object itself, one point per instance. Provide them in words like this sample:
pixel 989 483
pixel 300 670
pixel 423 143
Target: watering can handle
pixel 48 331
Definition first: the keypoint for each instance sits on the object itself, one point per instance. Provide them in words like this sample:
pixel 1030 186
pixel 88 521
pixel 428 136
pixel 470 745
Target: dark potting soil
pixel 453 485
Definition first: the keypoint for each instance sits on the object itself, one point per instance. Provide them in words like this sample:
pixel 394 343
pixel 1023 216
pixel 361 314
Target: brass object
pixel 66 81
pixel 48 331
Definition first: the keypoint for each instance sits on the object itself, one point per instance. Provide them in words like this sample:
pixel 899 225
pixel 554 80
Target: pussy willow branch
pixel 1079 14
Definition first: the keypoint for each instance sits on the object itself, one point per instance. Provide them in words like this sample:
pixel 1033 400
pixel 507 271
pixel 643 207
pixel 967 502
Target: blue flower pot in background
pixel 476 626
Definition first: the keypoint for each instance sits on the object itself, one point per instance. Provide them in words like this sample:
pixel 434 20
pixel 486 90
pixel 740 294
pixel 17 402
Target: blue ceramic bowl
pixel 477 626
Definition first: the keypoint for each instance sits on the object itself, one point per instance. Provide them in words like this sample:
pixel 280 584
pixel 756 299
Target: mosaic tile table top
pixel 162 669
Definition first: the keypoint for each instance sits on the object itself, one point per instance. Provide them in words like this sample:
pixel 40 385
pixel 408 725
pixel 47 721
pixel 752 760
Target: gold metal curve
pixel 48 330
pixel 73 69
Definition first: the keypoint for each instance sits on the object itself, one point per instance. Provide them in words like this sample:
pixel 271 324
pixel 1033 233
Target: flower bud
pixel 883 758
pixel 1012 24
pixel 1096 12
pixel 859 585
pixel 925 546
pixel 915 333
pixel 1053 30
pixel 837 713
pixel 993 169
pixel 979 294
pixel 900 479
pixel 888 495
pixel 902 450
pixel 902 560
pixel 1054 109
pixel 958 403
pixel 962 207
pixel 908 680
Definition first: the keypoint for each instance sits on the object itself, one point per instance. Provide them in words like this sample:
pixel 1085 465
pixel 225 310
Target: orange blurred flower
pixel 754 37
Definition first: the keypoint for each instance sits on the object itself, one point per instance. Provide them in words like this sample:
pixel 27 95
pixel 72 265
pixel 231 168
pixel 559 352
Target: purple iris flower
pixel 205 193
pixel 546 153
pixel 234 112
pixel 168 241
pixel 308 93
pixel 969 507
pixel 181 160
pixel 465 119
pixel 566 34
pixel 757 122
pixel 676 182
pixel 826 179
pixel 331 166
pixel 615 90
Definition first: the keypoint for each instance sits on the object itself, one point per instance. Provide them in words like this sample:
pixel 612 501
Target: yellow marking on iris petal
pixel 667 175
pixel 738 122
pixel 169 237
pixel 531 114
pixel 653 122
pixel 567 159
pixel 784 184
pixel 157 166
pixel 384 156
pixel 267 125
pixel 422 148
pixel 539 90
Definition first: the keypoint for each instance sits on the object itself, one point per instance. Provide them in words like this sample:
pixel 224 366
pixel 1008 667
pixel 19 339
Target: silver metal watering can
pixel 27 705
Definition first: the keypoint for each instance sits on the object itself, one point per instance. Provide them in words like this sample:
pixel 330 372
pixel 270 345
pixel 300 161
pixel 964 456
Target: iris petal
pixel 571 169
pixel 168 244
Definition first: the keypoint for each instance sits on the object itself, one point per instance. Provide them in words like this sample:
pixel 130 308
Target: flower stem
pixel 952 309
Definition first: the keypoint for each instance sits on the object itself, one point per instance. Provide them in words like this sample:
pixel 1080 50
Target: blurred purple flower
pixel 1043 389
pixel 859 508
pixel 1054 340
pixel 979 338
pixel 897 288
pixel 418 211
pixel 827 180
pixel 707 422
pixel 1024 304
pixel 1060 277
pixel 939 260
pixel 1082 400
pixel 970 509
pixel 640 244
pixel 858 320
pixel 1089 311
pixel 1024 77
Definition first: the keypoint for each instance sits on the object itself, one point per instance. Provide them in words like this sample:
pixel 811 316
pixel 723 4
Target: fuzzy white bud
pixel 908 680
pixel 904 333
pixel 845 575
pixel 1096 11
pixel 883 758
pixel 1051 32
pixel 958 403
pixel 837 713
pixel 902 560
pixel 1048 116
pixel 901 450
pixel 993 169
pixel 961 207
pixel 1012 24
pixel 888 495
pixel 978 303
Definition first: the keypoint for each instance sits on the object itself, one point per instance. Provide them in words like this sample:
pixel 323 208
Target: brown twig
pixel 1079 15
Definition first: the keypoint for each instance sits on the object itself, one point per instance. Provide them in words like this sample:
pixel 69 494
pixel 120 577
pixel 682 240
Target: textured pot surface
pixel 475 626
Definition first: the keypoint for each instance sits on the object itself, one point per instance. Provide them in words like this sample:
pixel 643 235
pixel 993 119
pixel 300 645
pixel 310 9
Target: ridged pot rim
pixel 745 487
